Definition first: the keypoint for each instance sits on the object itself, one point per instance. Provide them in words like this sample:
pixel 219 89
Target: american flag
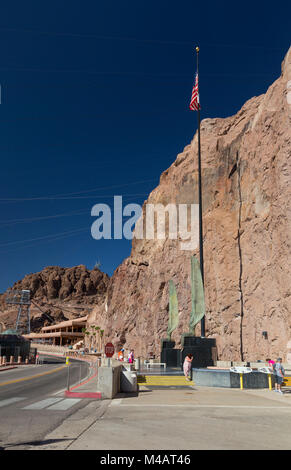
pixel 195 104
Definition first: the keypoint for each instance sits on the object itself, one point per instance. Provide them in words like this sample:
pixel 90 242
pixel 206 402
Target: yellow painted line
pixel 31 377
pixel 164 380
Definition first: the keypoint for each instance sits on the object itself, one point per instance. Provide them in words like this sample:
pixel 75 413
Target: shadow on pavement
pixel 33 443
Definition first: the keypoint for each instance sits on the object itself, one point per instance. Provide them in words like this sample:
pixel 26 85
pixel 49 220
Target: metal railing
pixel 93 370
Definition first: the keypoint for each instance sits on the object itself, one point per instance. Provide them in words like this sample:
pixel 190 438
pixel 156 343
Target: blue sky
pixel 94 103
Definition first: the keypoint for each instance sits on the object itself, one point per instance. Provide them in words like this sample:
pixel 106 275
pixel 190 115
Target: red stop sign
pixel 109 350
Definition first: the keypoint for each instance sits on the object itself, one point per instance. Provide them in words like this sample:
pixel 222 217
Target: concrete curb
pixel 8 368
pixel 69 393
pixel 96 395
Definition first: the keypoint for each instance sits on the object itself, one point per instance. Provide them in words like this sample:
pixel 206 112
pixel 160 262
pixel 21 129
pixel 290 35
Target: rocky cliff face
pixel 60 293
pixel 247 226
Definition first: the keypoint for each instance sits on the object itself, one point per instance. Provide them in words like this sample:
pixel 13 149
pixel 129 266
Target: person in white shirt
pixel 279 373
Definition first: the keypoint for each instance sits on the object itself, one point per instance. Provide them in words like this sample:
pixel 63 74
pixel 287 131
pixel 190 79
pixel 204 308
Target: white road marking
pixel 60 391
pixel 65 404
pixel 163 405
pixel 39 405
pixel 8 401
pixel 116 402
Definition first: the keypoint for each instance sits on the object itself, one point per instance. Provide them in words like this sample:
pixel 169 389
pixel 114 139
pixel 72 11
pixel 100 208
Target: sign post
pixel 109 351
pixel 269 371
pixel 241 370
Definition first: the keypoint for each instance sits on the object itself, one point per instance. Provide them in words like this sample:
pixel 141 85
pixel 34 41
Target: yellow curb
pixel 163 380
pixel 32 377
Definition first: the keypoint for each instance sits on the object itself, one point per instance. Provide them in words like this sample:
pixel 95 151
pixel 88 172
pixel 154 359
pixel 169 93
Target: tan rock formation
pixel 61 294
pixel 246 212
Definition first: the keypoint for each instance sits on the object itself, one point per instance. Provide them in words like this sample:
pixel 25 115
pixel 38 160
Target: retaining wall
pixel 228 379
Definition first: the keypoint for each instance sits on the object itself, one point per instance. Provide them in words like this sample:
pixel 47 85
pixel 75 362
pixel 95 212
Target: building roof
pixel 77 321
pixel 56 334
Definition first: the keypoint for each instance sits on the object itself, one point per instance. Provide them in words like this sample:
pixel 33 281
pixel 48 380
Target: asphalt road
pixel 32 401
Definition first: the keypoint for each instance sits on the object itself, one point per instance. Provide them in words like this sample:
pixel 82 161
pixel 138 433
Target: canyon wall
pixel 246 224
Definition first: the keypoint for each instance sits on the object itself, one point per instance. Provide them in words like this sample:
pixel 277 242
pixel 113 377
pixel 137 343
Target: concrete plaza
pixel 202 418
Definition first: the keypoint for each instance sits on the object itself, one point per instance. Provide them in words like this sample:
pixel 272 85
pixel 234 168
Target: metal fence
pixel 75 374
pixel 13 346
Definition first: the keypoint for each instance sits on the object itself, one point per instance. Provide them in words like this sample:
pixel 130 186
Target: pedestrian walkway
pixel 86 389
pixel 58 404
pixel 51 403
pixel 202 418
pixel 10 401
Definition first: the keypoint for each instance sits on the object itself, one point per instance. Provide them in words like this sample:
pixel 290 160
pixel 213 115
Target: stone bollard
pixel 26 360
pixel 11 359
pixel 3 360
pixel 137 364
pixel 19 360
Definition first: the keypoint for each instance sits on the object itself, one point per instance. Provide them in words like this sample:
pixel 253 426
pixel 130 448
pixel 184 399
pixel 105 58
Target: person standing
pixel 279 373
pixel 187 366
pixel 121 355
pixel 131 356
pixel 270 364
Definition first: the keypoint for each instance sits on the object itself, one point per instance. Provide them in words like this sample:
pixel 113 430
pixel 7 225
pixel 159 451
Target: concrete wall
pixel 227 379
pixel 253 365
pixel 108 380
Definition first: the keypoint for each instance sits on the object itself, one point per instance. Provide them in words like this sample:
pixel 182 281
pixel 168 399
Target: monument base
pixel 169 355
pixel 203 349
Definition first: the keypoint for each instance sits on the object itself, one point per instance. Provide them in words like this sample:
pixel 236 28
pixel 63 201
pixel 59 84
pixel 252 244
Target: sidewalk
pixel 198 418
pixel 86 389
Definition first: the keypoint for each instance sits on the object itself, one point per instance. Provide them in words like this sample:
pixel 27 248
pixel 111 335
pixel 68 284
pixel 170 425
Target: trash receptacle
pixel 128 381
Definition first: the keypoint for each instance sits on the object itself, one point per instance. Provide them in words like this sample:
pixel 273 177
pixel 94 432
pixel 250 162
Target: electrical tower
pixel 22 299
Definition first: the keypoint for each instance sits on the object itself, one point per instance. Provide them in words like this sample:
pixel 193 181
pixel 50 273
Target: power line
pixel 41 242
pixel 135 74
pixel 8 223
pixel 45 237
pixel 134 39
pixel 51 198
pixel 36 219
pixel 67 195
pixel 108 187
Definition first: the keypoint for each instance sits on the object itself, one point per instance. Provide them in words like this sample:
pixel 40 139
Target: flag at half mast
pixel 195 103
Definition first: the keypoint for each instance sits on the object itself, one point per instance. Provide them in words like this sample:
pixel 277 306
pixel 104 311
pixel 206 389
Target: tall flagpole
pixel 200 196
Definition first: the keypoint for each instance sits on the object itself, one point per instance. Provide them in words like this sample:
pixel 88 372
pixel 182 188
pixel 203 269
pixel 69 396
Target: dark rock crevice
pixel 238 168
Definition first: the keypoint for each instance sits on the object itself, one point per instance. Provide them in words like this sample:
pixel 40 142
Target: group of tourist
pixel 130 357
pixel 276 367
pixel 186 366
pixel 278 371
